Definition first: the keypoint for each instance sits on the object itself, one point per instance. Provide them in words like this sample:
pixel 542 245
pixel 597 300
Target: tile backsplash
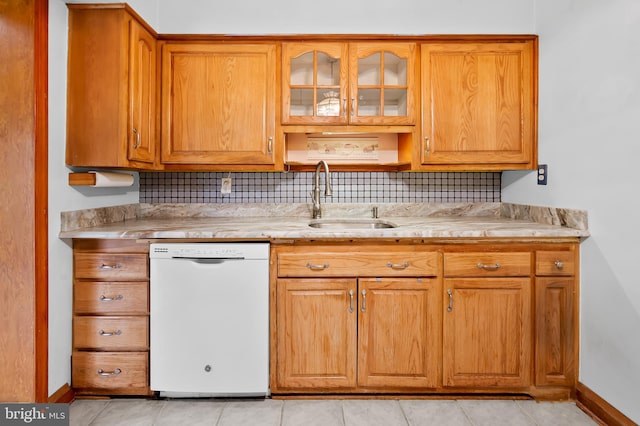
pixel 294 187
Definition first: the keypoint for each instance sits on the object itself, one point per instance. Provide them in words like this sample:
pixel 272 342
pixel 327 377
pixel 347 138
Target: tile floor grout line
pixel 224 405
pixel 466 415
pixel 99 413
pixel 406 419
pixel 525 413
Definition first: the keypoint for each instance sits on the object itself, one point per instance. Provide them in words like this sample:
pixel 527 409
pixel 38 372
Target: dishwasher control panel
pixel 210 251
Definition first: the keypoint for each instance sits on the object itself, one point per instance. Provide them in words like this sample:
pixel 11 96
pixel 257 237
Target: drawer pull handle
pixel 104 298
pixel 107 334
pixel 450 293
pixel 115 372
pixel 116 266
pixel 351 301
pixel 493 267
pixel 364 301
pixel 317 267
pixel 559 264
pixel 404 265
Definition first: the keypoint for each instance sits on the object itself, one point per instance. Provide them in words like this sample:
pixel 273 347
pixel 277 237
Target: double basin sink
pixel 351 224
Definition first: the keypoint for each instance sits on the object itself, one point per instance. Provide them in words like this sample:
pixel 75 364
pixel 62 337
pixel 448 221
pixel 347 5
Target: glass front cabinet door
pixel 349 83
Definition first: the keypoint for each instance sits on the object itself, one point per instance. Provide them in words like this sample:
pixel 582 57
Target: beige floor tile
pixel 129 412
pixel 495 413
pixel 373 413
pixel 190 412
pixel 254 413
pixel 434 412
pixel 556 414
pixel 312 413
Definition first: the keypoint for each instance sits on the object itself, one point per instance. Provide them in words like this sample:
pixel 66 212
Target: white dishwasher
pixel 209 319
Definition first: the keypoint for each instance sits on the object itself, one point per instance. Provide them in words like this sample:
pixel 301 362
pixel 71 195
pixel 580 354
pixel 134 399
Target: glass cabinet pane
pixel 302 70
pixel 301 102
pixel 369 102
pixel 328 70
pixel 395 102
pixel 369 70
pixel 395 70
pixel 328 103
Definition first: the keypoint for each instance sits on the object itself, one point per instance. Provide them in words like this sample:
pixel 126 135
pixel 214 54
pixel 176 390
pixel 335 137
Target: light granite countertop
pixel 291 221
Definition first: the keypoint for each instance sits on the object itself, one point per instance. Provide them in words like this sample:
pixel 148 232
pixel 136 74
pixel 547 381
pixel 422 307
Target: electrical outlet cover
pixel 225 188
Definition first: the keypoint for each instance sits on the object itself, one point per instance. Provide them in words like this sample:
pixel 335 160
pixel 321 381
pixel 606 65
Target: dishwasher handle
pixel 208 260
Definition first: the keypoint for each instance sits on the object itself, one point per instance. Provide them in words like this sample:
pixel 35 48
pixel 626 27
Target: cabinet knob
pixel 559 264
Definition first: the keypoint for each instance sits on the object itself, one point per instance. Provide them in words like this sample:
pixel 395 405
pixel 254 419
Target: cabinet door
pixel 316 333
pixel 314 83
pixel 382 83
pixel 399 332
pixel 555 336
pixel 487 332
pixel 142 83
pixel 478 105
pixel 218 104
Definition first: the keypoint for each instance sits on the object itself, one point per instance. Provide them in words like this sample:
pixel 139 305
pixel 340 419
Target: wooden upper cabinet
pixel 111 90
pixel 219 104
pixel 349 83
pixel 479 105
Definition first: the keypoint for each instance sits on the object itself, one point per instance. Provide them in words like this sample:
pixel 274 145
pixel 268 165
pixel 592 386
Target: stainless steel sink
pixel 351 224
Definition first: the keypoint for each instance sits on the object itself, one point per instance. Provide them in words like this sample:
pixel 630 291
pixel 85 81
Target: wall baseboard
pixel 591 403
pixel 63 395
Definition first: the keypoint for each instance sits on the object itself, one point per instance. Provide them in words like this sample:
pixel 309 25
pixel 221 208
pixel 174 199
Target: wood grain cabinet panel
pixel 487 332
pixel 219 104
pixel 399 333
pixel 494 264
pixel 316 336
pixel 116 373
pixel 91 297
pixel 107 266
pixel 556 363
pixel 479 103
pixel 111 318
pixel 111 92
pixel 361 264
pixel 111 333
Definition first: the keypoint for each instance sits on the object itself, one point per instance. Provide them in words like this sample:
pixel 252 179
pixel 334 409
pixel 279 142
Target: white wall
pixel 589 135
pixel 62 197
pixel 345 17
pixel 589 118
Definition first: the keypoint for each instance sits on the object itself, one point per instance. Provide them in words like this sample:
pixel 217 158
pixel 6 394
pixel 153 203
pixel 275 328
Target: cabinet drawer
pixel 91 297
pixel 111 267
pixel 110 370
pixel 487 264
pixel 364 264
pixel 111 333
pixel 555 263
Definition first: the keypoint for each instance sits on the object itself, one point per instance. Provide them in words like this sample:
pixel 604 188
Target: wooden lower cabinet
pixel 316 333
pixel 357 333
pixel 491 317
pixel 398 332
pixel 487 332
pixel 111 318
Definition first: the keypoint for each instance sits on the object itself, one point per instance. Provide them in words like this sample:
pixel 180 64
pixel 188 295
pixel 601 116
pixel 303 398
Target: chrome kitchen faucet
pixel 315 193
